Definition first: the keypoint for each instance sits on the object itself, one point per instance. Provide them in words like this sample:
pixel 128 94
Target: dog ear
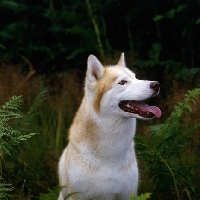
pixel 95 69
pixel 122 61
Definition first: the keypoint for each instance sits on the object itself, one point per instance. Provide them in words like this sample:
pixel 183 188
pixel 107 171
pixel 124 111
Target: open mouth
pixel 140 109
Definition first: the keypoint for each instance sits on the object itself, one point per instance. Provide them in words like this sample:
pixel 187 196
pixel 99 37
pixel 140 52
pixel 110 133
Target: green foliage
pixel 170 14
pixel 163 152
pixel 53 34
pixel 141 197
pixel 189 75
pixel 155 51
pixel 5 189
pixel 53 194
pixel 26 122
pixel 177 70
pixel 9 136
pixel 13 129
pixel 44 37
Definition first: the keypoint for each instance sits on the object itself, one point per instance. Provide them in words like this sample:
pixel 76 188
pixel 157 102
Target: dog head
pixel 116 90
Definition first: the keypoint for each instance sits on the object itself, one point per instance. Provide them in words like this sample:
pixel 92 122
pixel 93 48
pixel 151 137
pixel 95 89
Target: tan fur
pixel 88 130
pixel 103 85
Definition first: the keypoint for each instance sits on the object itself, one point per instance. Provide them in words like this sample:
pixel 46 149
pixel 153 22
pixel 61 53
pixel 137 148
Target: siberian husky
pixel 100 162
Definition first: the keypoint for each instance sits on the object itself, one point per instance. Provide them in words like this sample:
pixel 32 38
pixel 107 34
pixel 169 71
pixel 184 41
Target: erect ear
pixel 95 69
pixel 122 61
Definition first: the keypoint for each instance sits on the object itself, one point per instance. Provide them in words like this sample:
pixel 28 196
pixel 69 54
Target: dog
pixel 99 162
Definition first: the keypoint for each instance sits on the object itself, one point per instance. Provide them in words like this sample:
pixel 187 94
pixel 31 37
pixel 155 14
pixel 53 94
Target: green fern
pixel 163 152
pixel 27 166
pixel 13 128
pixel 8 135
pixel 10 109
pixel 51 195
pixel 25 122
pixel 5 189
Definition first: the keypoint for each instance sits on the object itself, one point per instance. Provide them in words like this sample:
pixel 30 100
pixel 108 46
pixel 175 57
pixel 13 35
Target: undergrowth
pixel 163 153
pixel 14 128
pixel 9 136
pixel 53 194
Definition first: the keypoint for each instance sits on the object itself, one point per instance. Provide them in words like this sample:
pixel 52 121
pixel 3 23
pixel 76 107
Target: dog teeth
pixel 128 105
pixel 147 113
pixel 132 107
pixel 137 111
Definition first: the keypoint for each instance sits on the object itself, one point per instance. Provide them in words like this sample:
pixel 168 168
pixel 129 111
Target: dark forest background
pixel 44 45
pixel 59 35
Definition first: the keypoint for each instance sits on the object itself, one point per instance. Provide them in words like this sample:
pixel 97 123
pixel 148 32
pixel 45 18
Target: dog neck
pixel 115 133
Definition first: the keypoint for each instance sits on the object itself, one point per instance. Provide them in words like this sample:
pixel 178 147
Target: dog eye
pixel 122 82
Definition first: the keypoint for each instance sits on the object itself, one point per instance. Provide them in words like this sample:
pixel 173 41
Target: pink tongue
pixel 145 108
pixel 156 111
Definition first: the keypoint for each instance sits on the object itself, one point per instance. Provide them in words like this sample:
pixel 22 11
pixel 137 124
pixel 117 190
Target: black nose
pixel 155 85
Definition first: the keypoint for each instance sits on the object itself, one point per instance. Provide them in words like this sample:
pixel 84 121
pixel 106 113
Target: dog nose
pixel 155 85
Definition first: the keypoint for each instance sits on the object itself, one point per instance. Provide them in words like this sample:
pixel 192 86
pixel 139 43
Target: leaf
pixel 51 195
pixel 181 8
pixel 197 21
pixel 158 18
pixel 155 51
pixel 170 14
pixel 26 121
pixel 5 189
pixel 13 5
pixel 154 129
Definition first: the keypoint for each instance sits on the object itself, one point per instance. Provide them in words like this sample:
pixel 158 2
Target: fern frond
pixel 155 129
pixel 10 109
pixel 51 195
pixel 26 121
pixel 8 135
pixel 4 189
pixel 7 130
pixel 175 117
pixel 37 101
pixel 14 103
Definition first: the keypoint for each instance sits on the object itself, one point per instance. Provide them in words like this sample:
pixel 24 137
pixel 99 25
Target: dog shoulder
pixel 83 128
